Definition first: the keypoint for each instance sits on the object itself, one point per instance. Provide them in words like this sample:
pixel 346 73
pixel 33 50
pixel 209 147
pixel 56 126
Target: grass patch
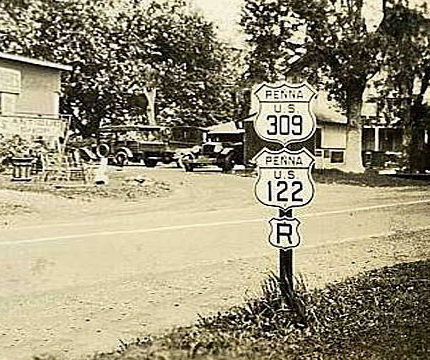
pixel 371 179
pixel 381 314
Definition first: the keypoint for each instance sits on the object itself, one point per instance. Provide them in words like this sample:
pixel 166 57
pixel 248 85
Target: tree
pixel 407 68
pixel 337 45
pixel 191 64
pixel 119 51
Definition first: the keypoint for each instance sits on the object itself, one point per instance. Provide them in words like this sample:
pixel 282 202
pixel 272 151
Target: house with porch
pixel 30 98
pixel 382 143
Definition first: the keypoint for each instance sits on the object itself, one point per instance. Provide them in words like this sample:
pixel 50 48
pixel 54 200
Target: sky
pixel 226 13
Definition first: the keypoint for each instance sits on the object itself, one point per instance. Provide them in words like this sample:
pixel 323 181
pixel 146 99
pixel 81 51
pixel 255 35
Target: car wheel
pixel 121 159
pixel 103 150
pixel 150 163
pixel 228 163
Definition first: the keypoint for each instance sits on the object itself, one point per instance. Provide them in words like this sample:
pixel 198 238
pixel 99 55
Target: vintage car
pixel 134 143
pixel 222 149
pixel 183 139
pixel 147 144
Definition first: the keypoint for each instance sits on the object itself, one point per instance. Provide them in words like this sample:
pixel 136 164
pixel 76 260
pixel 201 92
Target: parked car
pixel 183 139
pixel 134 143
pixel 222 149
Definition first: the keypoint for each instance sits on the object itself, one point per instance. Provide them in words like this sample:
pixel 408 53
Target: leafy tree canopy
pixel 335 42
pixel 407 59
pixel 118 49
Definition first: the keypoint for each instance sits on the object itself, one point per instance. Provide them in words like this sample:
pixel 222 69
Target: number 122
pixel 279 188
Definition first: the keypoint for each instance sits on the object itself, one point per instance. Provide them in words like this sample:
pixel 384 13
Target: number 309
pixel 285 125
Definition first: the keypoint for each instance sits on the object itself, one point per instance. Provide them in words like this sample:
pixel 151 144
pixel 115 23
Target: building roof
pixel 37 62
pixel 326 112
pixel 230 127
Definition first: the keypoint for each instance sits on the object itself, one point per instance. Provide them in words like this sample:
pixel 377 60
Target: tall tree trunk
pixel 353 156
pixel 412 129
pixel 408 130
pixel 150 94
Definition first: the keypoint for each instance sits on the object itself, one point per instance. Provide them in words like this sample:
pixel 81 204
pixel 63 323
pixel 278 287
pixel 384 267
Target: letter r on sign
pixel 284 233
pixel 283 230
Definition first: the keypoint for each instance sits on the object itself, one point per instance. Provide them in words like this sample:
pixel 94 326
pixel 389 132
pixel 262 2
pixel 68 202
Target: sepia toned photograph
pixel 214 179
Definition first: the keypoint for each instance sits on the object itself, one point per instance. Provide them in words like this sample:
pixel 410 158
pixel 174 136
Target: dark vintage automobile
pixel 183 139
pixel 148 144
pixel 222 149
pixel 134 143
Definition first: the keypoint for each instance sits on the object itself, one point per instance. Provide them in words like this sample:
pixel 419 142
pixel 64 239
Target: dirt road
pixel 78 276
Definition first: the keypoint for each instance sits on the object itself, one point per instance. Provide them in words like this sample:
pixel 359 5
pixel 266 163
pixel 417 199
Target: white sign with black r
pixel 284 233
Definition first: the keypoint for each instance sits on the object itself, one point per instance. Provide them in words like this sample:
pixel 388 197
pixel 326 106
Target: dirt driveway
pixel 78 274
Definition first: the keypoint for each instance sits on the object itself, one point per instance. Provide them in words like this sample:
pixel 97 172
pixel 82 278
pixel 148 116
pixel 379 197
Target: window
pixel 7 103
pixel 390 139
pixel 336 157
pixel 10 81
pixel 368 139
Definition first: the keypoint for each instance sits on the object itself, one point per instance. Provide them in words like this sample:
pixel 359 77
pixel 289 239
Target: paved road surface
pixel 79 277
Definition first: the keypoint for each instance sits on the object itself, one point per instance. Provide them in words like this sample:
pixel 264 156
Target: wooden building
pixel 30 97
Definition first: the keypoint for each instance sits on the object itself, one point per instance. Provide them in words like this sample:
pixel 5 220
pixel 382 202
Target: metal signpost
pixel 284 176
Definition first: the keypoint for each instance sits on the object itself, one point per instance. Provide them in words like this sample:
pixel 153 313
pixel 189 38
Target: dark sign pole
pixel 286 258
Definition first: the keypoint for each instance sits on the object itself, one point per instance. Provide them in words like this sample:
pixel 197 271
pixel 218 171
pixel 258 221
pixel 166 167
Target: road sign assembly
pixel 284 177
